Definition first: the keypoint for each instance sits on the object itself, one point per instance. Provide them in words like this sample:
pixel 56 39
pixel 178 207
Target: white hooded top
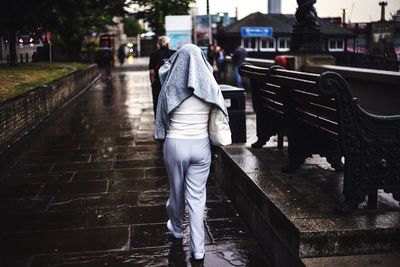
pixel 186 73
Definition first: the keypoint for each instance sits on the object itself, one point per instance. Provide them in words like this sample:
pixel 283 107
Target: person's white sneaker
pixel 173 232
pixel 197 256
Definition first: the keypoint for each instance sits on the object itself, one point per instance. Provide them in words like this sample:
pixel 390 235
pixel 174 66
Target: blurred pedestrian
pixel 35 57
pixel 121 54
pixel 238 58
pixel 106 60
pixel 157 59
pixel 220 58
pixel 189 91
pixel 211 54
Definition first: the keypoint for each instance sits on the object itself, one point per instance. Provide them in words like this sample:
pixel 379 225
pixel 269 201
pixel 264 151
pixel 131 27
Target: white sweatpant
pixel 188 164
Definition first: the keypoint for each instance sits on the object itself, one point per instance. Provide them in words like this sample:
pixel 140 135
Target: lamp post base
pixel 306 40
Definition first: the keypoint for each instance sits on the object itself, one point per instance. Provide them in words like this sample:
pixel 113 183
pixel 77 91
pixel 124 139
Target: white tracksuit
pixel 187 158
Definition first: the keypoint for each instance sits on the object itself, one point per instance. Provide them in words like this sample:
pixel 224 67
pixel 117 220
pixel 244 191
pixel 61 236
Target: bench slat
pixel 293 82
pixel 314 98
pixel 318 110
pixel 274 88
pixel 267 94
pixel 277 113
pixel 317 122
pixel 296 74
pixel 259 76
pixel 252 68
pixel 272 105
pixel 330 134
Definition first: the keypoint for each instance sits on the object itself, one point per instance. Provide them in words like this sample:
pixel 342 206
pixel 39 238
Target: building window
pixel 267 44
pixel 249 44
pixel 283 44
pixel 336 45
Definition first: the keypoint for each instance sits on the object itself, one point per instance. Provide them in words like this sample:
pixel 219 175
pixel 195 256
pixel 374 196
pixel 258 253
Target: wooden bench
pixel 319 115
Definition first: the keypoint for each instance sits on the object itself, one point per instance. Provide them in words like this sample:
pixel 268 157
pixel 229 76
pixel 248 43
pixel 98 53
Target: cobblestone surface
pixel 91 191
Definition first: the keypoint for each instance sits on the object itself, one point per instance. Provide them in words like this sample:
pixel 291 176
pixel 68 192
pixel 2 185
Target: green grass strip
pixel 24 77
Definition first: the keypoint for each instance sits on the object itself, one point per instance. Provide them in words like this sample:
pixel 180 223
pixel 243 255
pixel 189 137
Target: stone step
pixel 293 216
pixel 376 260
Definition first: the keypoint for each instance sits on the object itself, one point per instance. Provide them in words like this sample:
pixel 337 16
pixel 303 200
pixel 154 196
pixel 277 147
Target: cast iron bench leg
pixel 373 200
pixel 280 141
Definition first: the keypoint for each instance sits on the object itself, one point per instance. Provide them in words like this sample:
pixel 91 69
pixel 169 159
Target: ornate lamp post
pixel 209 23
pixel 306 36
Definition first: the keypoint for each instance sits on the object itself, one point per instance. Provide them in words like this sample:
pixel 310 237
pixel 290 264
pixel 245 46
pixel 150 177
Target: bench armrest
pixel 378 127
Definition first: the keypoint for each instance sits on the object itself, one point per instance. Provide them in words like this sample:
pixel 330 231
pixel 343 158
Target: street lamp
pixel 306 35
pixel 344 10
pixel 209 23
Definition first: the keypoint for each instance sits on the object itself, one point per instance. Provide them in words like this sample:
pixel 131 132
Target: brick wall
pixel 20 114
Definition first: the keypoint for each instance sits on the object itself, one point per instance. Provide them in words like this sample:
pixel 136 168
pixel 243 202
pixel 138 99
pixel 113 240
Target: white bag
pixel 218 128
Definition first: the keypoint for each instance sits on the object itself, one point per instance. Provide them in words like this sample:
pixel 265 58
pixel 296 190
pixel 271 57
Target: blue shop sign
pixel 256 31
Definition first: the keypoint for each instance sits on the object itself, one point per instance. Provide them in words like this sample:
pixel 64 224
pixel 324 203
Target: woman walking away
pixel 189 91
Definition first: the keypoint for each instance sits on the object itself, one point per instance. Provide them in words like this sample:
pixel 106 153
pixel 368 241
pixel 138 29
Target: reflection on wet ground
pixel 91 191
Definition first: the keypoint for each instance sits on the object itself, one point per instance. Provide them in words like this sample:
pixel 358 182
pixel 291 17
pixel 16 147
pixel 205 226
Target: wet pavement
pixel 91 191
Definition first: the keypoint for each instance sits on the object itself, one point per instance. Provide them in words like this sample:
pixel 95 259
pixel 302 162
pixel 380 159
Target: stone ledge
pixel 378 260
pixel 24 112
pixel 293 215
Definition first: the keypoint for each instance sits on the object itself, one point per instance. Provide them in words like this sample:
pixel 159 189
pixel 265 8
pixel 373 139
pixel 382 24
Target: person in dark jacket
pixel 237 59
pixel 211 54
pixel 157 59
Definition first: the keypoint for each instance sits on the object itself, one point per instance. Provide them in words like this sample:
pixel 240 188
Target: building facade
pixel 335 38
pixel 375 44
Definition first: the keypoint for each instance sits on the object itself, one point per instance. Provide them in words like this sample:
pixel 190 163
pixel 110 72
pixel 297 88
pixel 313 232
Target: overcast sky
pixel 357 10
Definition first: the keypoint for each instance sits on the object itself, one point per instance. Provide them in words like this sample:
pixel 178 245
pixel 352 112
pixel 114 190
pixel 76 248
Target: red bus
pixel 106 41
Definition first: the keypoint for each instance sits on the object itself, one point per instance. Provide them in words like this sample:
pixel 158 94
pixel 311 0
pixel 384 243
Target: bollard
pixel 26 57
pixel 236 110
pixel 21 58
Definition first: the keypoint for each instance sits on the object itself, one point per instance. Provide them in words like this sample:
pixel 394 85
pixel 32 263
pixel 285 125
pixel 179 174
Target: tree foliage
pixel 74 19
pixel 156 10
pixel 70 19
pixel 132 27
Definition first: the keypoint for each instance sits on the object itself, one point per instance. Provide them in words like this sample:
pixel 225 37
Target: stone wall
pixel 275 234
pixel 378 91
pixel 22 113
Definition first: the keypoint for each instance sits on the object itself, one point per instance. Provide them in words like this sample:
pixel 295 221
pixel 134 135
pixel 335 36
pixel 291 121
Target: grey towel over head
pixel 186 73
